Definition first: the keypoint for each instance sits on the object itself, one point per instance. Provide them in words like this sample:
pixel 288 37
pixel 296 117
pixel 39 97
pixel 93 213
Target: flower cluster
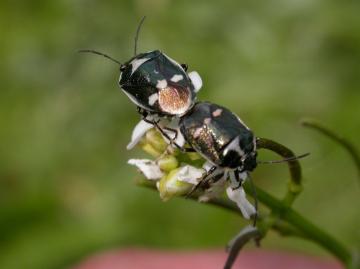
pixel 176 173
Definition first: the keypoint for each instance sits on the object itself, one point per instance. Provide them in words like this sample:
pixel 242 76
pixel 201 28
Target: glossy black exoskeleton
pixel 158 84
pixel 221 138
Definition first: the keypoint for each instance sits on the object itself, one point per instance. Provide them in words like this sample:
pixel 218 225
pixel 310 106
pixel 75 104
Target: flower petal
pixel 190 174
pixel 140 129
pixel 174 124
pixel 170 185
pixel 239 197
pixel 149 168
pixel 196 80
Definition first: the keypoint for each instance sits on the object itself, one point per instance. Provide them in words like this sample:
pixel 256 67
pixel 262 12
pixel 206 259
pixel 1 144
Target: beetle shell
pixel 158 84
pixel 219 136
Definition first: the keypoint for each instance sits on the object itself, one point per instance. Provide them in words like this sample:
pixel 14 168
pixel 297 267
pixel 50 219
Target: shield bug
pixel 155 82
pixel 158 85
pixel 223 140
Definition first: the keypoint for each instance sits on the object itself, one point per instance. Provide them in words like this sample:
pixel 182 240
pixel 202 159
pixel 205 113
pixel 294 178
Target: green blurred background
pixel 65 188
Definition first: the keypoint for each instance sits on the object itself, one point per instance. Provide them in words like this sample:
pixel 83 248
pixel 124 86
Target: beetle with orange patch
pixel 159 86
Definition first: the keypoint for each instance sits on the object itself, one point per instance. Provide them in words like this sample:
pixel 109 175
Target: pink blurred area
pixel 209 259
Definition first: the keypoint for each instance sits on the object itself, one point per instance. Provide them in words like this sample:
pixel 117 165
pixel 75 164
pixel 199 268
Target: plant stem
pixel 294 165
pixel 308 229
pixel 349 147
pixel 299 225
pixel 294 187
pixel 282 218
pixel 246 234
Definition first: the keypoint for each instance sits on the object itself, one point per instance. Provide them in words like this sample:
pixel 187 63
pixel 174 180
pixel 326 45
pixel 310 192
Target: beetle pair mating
pixel 161 89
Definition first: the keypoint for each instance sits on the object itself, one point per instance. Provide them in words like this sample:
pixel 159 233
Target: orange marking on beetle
pixel 174 100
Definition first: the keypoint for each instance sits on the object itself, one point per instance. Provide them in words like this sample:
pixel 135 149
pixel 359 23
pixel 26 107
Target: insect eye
pixel 122 67
pixel 185 67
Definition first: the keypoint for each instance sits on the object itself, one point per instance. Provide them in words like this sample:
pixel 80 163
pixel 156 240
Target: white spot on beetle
pixel 234 146
pixel 207 121
pixel 177 78
pixel 161 84
pixel 196 80
pixel 217 112
pixel 156 72
pixel 136 63
pixel 153 98
pixel 197 132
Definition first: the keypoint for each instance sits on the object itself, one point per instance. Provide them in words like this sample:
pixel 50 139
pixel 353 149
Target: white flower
pixel 149 168
pixel 179 181
pixel 190 174
pixel 139 131
pixel 142 127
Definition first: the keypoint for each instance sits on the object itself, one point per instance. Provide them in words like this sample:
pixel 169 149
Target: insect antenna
pixel 285 159
pixel 101 54
pixel 137 34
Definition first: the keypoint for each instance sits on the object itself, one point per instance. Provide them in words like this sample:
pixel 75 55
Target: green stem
pixel 306 228
pixel 294 165
pixel 294 186
pixel 283 218
pixel 290 222
pixel 347 145
pixel 236 244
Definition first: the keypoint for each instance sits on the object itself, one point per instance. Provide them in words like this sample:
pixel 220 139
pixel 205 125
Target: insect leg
pixel 183 149
pixel 239 181
pixel 204 180
pixel 172 130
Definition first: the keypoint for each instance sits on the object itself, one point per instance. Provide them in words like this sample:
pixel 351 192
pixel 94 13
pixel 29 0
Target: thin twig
pixel 294 165
pixel 237 243
pixel 295 186
pixel 346 144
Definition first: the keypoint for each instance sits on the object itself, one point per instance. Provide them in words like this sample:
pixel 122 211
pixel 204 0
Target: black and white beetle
pixel 225 142
pixel 160 87
pixel 221 138
pixel 157 84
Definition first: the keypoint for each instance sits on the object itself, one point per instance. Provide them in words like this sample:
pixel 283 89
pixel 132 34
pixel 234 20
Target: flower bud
pixel 168 163
pixel 155 139
pixel 148 148
pixel 170 186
